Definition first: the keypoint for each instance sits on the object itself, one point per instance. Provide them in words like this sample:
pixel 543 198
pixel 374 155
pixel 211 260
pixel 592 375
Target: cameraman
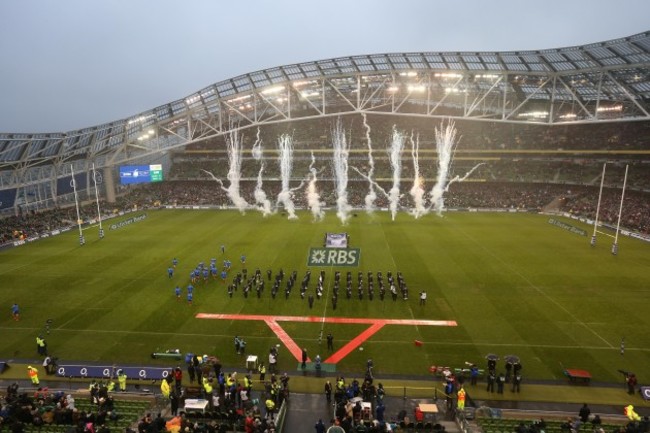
pixel 49 364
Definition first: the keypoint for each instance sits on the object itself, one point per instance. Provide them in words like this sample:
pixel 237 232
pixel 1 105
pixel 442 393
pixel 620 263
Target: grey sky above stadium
pixel 70 64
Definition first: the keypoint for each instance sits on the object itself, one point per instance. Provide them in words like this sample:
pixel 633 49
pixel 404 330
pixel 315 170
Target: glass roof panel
pixel 51 148
pixel 563 66
pixel 399 58
pixel 641 87
pixel 489 58
pixel 510 59
pixel 639 58
pixel 12 152
pixel 433 58
pixel 599 52
pixel 644 43
pixel 361 60
pixel 613 61
pixel 309 67
pixel 625 49
pixel 584 65
pixel 516 67
pixel 554 57
pixel 537 67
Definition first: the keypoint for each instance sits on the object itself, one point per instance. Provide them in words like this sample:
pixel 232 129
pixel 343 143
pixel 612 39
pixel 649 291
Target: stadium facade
pixel 600 83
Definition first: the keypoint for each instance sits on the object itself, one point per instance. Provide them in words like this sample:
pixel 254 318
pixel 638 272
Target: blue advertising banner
pixel 645 392
pixel 107 371
pixel 64 184
pixel 7 198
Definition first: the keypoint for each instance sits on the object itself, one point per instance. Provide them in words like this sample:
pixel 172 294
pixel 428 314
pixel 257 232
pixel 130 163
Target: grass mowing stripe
pixel 375 341
pixel 119 286
pixel 531 284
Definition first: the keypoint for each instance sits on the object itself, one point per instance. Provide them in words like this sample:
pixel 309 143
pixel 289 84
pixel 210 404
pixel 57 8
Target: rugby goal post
pixel 620 211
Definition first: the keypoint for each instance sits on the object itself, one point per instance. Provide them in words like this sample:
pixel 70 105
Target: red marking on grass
pixel 354 343
pixel 291 345
pixel 296 351
pixel 314 319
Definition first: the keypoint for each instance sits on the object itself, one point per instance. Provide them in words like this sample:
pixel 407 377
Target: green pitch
pixel 514 283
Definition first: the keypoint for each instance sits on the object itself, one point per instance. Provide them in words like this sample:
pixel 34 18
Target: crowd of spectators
pixel 579 200
pixel 316 133
pixel 21 227
pixel 21 410
pixel 500 178
pixel 502 169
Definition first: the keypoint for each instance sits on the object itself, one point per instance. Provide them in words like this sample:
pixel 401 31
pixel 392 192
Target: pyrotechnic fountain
pixel 234 147
pixel 395 157
pixel 445 145
pixel 445 142
pixel 264 204
pixel 313 197
pixel 417 190
pixel 340 162
pixel 372 195
pixel 285 144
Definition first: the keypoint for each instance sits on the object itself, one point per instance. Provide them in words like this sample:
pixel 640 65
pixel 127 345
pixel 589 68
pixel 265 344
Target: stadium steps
pixel 510 425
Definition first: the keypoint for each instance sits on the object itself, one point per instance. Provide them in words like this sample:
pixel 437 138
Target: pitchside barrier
pixel 433 391
pixel 108 371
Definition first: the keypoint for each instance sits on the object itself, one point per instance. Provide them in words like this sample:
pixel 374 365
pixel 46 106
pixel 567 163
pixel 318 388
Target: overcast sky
pixel 69 64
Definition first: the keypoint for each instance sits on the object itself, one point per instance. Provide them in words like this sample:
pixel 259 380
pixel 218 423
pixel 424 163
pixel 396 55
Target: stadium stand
pixel 537 127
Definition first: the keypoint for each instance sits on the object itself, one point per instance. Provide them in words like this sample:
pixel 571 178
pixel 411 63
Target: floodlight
pixel 272 90
pixel 416 88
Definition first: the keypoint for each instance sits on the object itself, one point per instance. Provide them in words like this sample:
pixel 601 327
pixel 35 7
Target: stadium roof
pixel 605 81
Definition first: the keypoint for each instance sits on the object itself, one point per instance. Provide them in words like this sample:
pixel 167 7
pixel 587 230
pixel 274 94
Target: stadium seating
pixel 510 425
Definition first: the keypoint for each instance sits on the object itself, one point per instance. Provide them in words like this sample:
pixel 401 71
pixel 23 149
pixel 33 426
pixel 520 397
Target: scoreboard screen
pixel 130 174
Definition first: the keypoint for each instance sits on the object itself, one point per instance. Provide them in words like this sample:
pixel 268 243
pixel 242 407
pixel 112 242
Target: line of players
pixel 201 273
pixel 256 283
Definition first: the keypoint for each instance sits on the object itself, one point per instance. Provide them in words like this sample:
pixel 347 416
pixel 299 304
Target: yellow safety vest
pixel 164 388
pixel 207 386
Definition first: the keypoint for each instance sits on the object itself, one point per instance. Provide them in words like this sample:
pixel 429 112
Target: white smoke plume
pixel 461 179
pixel 313 197
pixel 256 151
pixel 285 144
pixel 234 146
pixel 445 145
pixel 263 203
pixel 395 157
pixel 372 195
pixel 340 162
pixel 417 190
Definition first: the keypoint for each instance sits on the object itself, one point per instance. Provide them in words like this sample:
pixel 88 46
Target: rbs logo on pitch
pixel 334 257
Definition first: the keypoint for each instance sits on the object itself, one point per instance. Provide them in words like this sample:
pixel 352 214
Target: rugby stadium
pixel 430 211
